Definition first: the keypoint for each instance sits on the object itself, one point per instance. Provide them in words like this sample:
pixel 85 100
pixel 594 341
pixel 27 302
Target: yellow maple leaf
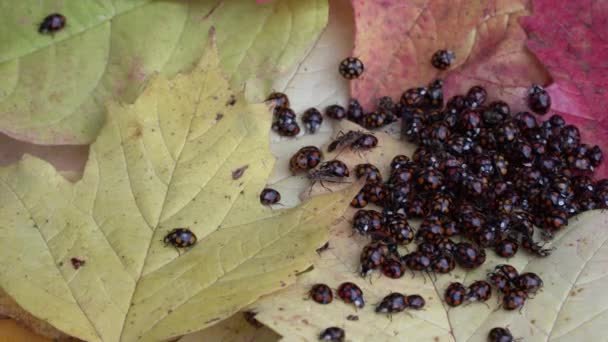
pixel 166 161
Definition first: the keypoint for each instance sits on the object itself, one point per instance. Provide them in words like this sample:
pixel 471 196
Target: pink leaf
pixel 396 41
pixel 571 39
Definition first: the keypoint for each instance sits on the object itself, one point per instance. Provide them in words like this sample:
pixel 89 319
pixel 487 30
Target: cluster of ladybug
pixel 285 123
pixel 514 287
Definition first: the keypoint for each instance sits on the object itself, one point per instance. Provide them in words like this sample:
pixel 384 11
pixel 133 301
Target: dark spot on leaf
pixel 312 267
pixel 238 173
pixel 283 284
pixel 169 311
pixel 60 263
pixel 135 132
pixel 231 101
pixel 352 317
pixel 77 263
pixel 305 321
pixel 219 116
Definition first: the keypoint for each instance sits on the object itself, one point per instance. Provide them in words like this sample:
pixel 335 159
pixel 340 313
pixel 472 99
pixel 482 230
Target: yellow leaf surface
pixel 571 306
pixel 233 329
pixel 165 161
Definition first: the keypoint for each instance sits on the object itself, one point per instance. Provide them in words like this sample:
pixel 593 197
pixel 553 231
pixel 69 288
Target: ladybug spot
pixel 219 116
pixel 231 101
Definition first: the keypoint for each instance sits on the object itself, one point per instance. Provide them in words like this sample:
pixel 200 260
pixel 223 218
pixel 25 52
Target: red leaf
pixel 396 39
pixel 571 38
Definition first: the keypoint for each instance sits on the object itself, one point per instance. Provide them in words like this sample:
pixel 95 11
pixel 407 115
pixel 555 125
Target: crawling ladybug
pixel 351 67
pixel 393 268
pixel 308 157
pixel 506 248
pixel 285 123
pixel 500 282
pixel 514 299
pixel 442 59
pixel 312 119
pixel 507 270
pixel 280 100
pixel 376 120
pixel 52 23
pixel 180 238
pixel 269 196
pixel 499 334
pixel 351 293
pixel 539 100
pixel 333 334
pixel 417 261
pixel 415 302
pixel 321 294
pixel 443 264
pixel 372 256
pixel 469 256
pixel 369 171
pixel 479 291
pixel 529 282
pixel 366 221
pixel 335 112
pixel 355 111
pixel 393 303
pixel 455 294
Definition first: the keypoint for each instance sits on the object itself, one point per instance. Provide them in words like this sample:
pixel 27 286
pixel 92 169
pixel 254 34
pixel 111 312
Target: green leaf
pixel 166 161
pixel 54 86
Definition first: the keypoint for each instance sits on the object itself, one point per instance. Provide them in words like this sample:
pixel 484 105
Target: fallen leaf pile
pixel 166 161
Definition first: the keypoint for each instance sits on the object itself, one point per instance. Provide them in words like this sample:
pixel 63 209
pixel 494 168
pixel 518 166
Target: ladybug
pixel 499 334
pixel 335 112
pixel 469 256
pixel 374 193
pixel 369 171
pixel 308 157
pixel 400 161
pixel 430 229
pixel 285 123
pixel 414 97
pixel 506 248
pixel 351 67
pixel 351 293
pixel 479 291
pixel 435 97
pixel 180 238
pixel 443 264
pixel 440 204
pixel 365 221
pixel 429 180
pixel 376 120
pixel 476 96
pixel 428 249
pixel 52 23
pixel 417 261
pixel 400 230
pixel 443 59
pixel 470 123
pixel 415 302
pixel 312 119
pixel 529 282
pixel 501 282
pixel 455 294
pixel 595 156
pixel 445 245
pixel 402 175
pixel 359 201
pixel 393 268
pixel 269 196
pixel 333 334
pixel 365 142
pixel 507 270
pixel 393 303
pixel 372 257
pixel 514 299
pixel 539 100
pixel 280 100
pixel 355 111
pixel 321 294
